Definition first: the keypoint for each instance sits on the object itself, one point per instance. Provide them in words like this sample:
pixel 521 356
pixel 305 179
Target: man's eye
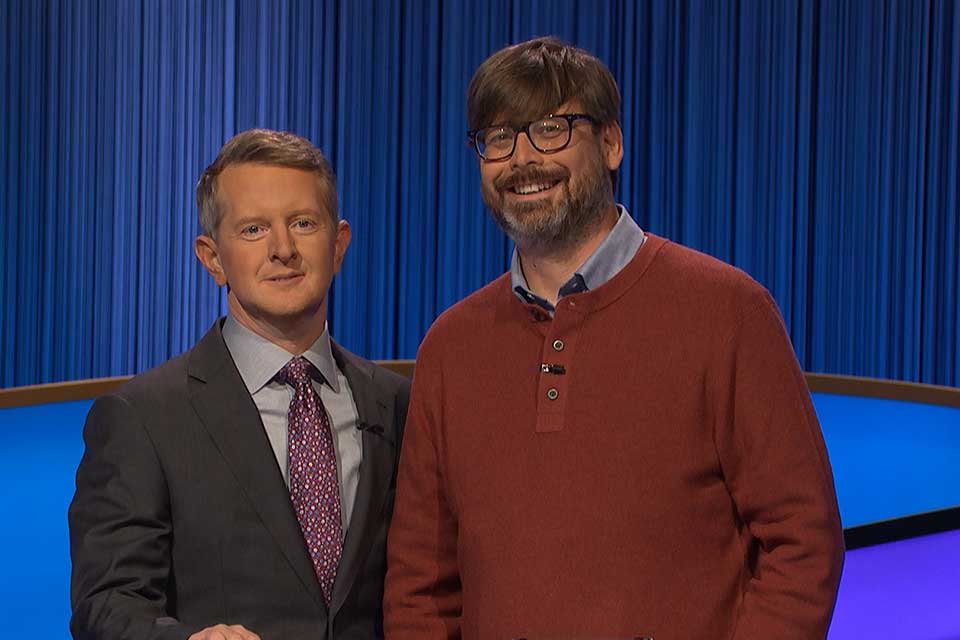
pixel 499 136
pixel 252 230
pixel 549 128
pixel 304 223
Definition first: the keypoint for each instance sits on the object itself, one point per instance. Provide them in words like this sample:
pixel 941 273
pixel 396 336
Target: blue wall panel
pixel 814 144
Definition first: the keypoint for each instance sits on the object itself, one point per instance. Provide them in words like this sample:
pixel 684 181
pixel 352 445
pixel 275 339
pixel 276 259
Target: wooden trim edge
pixel 886 389
pixel 58 391
pixel 86 389
pixel 818 382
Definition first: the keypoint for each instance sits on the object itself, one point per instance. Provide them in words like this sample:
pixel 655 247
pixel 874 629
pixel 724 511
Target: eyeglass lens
pixel 549 134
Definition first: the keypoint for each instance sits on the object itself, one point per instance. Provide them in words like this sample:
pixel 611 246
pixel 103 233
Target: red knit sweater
pixel 673 482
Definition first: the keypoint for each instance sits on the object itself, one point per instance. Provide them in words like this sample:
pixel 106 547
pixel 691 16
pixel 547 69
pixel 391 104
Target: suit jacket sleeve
pixel 422 593
pixel 775 465
pixel 120 532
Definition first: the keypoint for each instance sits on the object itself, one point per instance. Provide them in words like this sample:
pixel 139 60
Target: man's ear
pixel 612 140
pixel 341 242
pixel 209 256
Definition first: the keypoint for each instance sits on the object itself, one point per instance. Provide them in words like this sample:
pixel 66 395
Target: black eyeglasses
pixel 547 135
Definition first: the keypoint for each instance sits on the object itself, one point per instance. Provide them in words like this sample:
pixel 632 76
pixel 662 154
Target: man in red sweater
pixel 614 439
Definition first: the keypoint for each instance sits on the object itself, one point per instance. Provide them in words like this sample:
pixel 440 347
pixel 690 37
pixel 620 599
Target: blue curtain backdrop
pixel 814 144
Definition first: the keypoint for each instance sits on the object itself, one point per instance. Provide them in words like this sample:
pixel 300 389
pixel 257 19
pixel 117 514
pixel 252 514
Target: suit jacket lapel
pixel 375 408
pixel 229 414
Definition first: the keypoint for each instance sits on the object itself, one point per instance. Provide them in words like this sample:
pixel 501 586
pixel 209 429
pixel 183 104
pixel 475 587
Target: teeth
pixel 537 187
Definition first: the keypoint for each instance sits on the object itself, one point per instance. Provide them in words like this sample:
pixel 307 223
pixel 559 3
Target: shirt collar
pixel 258 360
pixel 611 255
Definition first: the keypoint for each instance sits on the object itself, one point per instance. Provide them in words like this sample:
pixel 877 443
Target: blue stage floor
pixel 890 458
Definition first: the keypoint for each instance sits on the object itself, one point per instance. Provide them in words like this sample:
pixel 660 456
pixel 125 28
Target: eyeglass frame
pixel 571 118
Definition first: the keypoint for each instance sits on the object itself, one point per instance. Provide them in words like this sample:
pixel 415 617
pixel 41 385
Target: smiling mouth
pixel 526 189
pixel 285 278
pixel 533 188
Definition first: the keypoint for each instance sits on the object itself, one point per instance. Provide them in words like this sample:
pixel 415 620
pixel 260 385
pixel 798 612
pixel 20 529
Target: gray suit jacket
pixel 181 518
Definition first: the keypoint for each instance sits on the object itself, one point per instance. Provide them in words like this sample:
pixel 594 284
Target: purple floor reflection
pixel 906 589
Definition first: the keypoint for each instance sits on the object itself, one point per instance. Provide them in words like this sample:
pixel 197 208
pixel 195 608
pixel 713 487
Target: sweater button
pixel 552 393
pixel 558 345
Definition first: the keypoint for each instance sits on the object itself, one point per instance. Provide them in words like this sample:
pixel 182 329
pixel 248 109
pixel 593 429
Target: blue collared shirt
pixel 258 360
pixel 611 255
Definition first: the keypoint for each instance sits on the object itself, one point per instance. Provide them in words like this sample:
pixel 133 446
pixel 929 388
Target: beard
pixel 543 226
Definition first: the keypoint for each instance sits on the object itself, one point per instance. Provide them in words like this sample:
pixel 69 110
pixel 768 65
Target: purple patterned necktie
pixel 312 464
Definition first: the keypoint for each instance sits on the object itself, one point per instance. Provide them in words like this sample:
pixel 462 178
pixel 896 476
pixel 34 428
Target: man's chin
pixel 526 214
pixel 527 235
pixel 287 313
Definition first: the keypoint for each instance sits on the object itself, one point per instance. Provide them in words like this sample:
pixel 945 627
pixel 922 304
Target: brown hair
pixel 530 79
pixel 263 146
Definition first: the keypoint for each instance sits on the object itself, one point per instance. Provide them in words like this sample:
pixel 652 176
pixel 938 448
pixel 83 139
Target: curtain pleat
pixel 815 145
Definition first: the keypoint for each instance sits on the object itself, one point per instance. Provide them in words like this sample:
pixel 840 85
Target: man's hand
pixel 225 632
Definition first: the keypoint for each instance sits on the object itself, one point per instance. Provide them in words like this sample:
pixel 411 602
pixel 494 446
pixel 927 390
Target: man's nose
pixel 282 244
pixel 524 152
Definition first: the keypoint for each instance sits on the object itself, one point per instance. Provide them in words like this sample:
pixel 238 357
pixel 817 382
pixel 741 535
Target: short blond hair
pixel 269 147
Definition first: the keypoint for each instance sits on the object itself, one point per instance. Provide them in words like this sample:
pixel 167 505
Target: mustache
pixel 532 174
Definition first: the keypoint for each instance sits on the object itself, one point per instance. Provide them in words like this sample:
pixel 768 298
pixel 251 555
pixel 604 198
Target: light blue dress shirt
pixel 259 360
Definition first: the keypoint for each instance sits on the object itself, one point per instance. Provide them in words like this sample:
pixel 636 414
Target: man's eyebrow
pixel 256 217
pixel 247 219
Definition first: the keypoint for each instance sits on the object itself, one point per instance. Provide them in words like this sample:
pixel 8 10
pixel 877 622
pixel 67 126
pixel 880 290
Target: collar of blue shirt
pixel 610 256
pixel 258 360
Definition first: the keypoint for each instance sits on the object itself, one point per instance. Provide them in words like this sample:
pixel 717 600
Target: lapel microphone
pixel 375 429
pixel 372 428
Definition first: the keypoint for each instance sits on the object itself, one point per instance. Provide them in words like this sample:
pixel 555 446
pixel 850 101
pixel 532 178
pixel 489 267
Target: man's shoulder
pixel 167 382
pixel 376 374
pixel 700 274
pixel 156 389
pixel 157 399
pixel 471 314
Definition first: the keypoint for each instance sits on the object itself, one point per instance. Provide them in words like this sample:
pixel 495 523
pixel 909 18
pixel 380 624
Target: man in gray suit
pixel 243 489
